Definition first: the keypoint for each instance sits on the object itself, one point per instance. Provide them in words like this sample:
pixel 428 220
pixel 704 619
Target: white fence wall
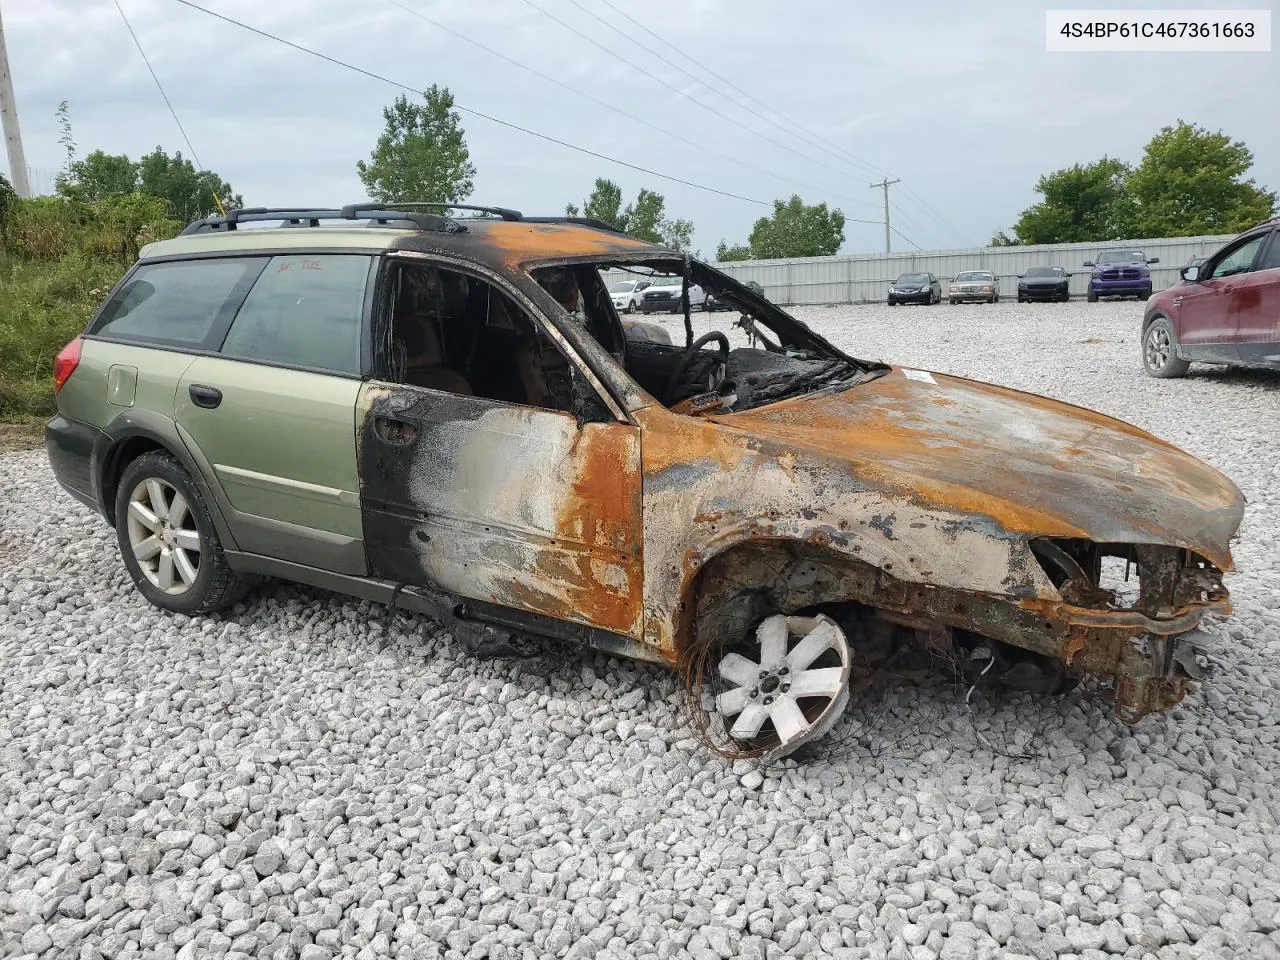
pixel 865 278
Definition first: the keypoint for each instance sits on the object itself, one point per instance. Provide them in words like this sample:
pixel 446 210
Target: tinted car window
pixel 304 311
pixel 1270 256
pixel 1240 259
pixel 178 304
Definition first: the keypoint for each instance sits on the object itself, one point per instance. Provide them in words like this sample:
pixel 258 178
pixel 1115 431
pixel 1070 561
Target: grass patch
pixel 58 259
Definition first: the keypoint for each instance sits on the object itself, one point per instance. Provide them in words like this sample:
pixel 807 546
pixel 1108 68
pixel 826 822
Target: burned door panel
pixel 515 505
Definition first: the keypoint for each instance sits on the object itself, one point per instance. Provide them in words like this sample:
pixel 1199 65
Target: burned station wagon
pixel 446 413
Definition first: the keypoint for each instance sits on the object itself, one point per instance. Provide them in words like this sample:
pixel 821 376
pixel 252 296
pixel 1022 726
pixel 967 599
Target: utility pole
pixel 9 115
pixel 884 185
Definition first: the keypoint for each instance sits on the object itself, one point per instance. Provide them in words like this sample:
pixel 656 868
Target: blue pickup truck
pixel 1120 273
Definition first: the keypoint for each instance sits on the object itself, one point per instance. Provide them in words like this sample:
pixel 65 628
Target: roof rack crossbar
pixel 354 208
pixel 297 216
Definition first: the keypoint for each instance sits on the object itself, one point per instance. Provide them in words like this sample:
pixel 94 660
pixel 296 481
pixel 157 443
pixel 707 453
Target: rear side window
pixel 1270 259
pixel 304 311
pixel 186 303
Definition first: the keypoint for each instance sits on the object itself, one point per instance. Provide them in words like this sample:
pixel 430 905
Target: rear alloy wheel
pixel 1092 296
pixel 167 539
pixel 787 686
pixel 631 306
pixel 1160 351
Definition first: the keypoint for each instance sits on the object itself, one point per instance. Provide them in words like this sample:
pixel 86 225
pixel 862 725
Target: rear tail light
pixel 65 363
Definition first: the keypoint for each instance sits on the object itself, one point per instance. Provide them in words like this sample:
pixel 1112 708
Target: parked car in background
pixel 1120 273
pixel 1043 283
pixel 1226 310
pixel 663 296
pixel 712 301
pixel 915 288
pixel 626 294
pixel 979 285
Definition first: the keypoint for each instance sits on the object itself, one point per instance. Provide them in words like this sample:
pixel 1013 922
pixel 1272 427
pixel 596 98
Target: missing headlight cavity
pixel 1155 580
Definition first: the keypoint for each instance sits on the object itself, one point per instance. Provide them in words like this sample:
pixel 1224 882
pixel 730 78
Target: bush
pixel 58 260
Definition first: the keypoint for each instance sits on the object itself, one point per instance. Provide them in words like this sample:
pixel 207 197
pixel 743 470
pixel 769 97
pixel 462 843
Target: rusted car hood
pixel 1033 465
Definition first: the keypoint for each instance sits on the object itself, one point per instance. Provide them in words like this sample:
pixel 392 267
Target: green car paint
pixel 281 445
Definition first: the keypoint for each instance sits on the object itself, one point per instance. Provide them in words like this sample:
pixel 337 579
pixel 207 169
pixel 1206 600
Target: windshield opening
pixel 973 275
pixel 735 350
pixel 1122 256
pixel 1044 272
pixel 913 278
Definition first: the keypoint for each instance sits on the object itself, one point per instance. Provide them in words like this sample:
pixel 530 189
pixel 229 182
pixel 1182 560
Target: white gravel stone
pixel 312 776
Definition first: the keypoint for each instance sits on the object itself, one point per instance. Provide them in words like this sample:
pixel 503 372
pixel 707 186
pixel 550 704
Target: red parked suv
pixel 1226 310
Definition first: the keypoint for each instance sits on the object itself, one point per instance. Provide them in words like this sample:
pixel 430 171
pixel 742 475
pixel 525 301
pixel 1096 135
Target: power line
pixel 830 149
pixel 906 238
pixel 814 139
pixel 475 113
pixel 608 106
pixel 159 86
pixel 680 93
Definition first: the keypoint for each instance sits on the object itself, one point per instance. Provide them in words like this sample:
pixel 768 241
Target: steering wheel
pixel 691 353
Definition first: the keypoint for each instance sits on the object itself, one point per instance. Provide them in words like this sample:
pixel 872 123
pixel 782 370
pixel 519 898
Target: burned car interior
pixel 449 330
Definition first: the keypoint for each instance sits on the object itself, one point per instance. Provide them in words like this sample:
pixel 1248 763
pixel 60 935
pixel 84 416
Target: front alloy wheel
pixel 1160 351
pixel 788 686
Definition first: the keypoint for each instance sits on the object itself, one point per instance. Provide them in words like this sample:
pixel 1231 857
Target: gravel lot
pixel 312 777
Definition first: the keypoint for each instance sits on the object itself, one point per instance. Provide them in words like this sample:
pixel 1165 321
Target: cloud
pixel 962 103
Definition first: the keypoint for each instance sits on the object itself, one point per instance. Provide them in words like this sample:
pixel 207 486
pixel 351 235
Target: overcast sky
pixel 960 101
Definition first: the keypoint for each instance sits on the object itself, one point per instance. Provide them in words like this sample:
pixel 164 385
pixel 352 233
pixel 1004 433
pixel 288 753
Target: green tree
pixel 421 155
pixel 644 219
pixel 1002 239
pixel 188 192
pixel 1080 203
pixel 605 203
pixel 796 229
pixel 726 253
pixel 97 176
pixel 1191 182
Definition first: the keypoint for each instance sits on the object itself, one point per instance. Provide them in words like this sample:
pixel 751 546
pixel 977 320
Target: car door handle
pixel 202 396
pixel 393 431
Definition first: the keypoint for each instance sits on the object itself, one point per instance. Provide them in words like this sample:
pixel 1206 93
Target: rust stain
pixel 603 512
pixel 1073 646
pixel 521 242
pixel 994 447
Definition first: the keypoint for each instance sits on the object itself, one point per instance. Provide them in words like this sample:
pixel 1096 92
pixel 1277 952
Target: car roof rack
pixel 379 214
pixel 351 209
pixel 311 217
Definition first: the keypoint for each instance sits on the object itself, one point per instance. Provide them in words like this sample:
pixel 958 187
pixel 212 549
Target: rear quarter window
pixel 183 303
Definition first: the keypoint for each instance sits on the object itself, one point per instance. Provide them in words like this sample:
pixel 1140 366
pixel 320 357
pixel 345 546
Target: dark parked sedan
pixel 713 301
pixel 915 288
pixel 1043 283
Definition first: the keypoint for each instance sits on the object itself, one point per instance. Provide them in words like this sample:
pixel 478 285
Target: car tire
pixel 1145 294
pixel 175 559
pixel 631 306
pixel 1160 350
pixel 1092 296
pixel 951 300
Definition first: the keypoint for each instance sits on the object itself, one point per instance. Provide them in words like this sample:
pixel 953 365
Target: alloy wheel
pixel 163 536
pixel 1159 348
pixel 787 686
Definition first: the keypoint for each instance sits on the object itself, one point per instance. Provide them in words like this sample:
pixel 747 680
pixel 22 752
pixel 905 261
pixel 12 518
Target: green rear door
pixel 273 417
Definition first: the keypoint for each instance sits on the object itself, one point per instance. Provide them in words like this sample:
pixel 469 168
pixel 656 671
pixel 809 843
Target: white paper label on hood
pixel 924 376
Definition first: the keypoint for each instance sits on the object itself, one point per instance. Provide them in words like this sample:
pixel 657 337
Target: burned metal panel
pixel 513 505
pixel 708 488
pixel 1146 658
pixel 1033 465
